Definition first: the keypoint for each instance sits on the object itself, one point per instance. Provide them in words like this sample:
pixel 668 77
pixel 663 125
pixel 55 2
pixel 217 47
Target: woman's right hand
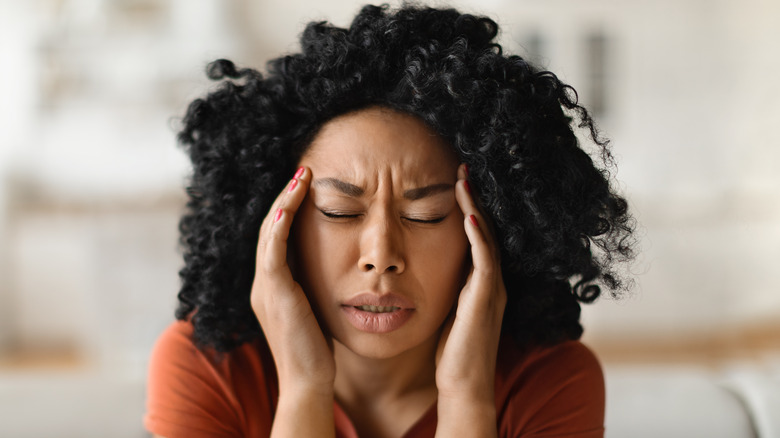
pixel 303 356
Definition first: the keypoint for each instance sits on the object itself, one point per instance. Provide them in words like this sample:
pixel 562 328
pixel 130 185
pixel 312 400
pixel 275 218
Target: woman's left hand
pixel 466 357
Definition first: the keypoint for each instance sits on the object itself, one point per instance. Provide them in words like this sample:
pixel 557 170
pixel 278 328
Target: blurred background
pixel 91 185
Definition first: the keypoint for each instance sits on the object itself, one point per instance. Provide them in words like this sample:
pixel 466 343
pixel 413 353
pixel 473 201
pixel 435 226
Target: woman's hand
pixel 304 360
pixel 466 359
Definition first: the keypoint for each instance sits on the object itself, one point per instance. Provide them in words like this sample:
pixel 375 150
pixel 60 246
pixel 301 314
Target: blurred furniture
pixel 686 401
pixel 667 401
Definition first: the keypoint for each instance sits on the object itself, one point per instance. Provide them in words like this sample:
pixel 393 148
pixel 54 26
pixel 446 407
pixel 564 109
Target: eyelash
pixel 352 216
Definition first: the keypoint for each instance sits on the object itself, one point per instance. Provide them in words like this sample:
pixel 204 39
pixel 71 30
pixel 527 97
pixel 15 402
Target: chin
pixel 378 346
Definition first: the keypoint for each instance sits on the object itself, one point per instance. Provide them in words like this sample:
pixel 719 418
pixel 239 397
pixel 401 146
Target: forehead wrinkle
pixel 339 185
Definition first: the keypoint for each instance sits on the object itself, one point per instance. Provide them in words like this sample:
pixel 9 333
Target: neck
pixel 364 379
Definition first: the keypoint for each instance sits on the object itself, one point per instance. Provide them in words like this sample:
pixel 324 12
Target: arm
pixel 465 372
pixel 190 393
pixel 303 358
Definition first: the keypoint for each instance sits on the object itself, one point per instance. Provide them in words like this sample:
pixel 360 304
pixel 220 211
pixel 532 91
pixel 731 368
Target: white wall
pixel 693 118
pixel 690 112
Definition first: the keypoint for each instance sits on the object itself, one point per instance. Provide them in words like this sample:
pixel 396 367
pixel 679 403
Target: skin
pixel 374 236
pixel 430 246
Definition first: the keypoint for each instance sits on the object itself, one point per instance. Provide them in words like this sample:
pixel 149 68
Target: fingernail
pixel 467 186
pixel 278 215
pixel 298 173
pixel 466 169
pixel 473 220
pixel 292 185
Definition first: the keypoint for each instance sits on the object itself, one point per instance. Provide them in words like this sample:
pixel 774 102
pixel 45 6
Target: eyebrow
pixel 423 192
pixel 342 186
pixel 355 191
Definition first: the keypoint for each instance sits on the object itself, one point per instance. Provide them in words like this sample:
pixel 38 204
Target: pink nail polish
pixel 467 186
pixel 298 173
pixel 292 185
pixel 473 220
pixel 278 215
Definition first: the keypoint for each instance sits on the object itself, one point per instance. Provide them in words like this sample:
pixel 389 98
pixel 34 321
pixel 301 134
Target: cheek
pixel 446 262
pixel 319 255
pixel 457 244
pixel 305 245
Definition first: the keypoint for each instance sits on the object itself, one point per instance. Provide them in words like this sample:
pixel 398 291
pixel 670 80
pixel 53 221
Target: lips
pixel 373 313
pixel 376 300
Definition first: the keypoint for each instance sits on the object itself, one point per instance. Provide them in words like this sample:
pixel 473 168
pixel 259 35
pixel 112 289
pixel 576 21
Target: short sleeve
pixel 187 395
pixel 557 392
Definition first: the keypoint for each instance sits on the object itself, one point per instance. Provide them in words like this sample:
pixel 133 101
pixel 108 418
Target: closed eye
pixel 338 215
pixel 426 221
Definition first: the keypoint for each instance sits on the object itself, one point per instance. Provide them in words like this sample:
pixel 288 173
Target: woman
pixel 389 235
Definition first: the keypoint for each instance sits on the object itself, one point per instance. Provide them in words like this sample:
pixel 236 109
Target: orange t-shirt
pixel 546 392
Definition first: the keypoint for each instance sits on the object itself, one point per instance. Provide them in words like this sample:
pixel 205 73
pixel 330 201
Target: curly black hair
pixel 561 226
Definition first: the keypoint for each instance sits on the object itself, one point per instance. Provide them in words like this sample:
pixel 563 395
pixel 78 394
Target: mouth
pixel 377 309
pixel 378 313
pixel 375 302
pixel 377 319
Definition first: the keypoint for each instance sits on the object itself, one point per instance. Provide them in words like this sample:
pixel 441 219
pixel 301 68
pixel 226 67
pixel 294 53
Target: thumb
pixel 446 328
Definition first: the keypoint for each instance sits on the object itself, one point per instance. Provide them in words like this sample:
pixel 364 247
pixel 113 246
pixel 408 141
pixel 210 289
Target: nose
pixel 382 246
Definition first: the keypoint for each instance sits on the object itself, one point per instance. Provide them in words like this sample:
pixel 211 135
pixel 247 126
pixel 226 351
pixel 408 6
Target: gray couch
pixel 680 401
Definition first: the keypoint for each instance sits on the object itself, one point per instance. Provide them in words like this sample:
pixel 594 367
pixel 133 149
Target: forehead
pixel 377 138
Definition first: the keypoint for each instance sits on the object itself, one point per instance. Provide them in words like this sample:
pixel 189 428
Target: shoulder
pixel 567 360
pixel 175 339
pixel 550 391
pixel 175 357
pixel 197 392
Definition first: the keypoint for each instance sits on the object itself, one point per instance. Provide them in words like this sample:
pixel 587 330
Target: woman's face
pixel 378 243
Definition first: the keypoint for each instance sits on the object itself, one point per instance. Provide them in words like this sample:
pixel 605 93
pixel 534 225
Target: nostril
pixel 370 267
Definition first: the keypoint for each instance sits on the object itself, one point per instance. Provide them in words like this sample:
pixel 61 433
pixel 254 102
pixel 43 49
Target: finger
pixel 268 220
pixel 474 199
pixel 482 243
pixel 281 220
pixel 484 281
pixel 464 175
